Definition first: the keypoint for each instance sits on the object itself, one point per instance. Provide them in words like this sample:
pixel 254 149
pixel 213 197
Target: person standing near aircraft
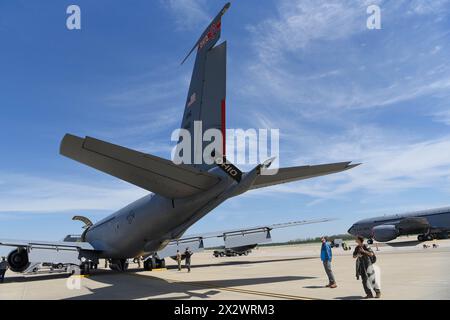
pixel 178 257
pixel 365 257
pixel 326 256
pixel 3 268
pixel 188 255
pixel 137 261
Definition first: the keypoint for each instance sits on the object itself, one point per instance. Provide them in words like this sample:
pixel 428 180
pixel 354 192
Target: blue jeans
pixel 327 267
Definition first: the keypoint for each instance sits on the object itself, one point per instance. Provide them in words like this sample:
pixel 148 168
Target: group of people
pixel 365 258
pixel 364 255
pixel 187 256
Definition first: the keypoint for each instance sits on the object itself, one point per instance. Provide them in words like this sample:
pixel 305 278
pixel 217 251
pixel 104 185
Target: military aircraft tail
pixel 206 101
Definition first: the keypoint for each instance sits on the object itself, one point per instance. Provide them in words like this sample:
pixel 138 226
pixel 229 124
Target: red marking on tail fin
pixel 224 128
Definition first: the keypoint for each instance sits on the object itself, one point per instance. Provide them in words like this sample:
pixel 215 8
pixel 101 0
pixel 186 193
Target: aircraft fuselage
pixel 437 222
pixel 146 225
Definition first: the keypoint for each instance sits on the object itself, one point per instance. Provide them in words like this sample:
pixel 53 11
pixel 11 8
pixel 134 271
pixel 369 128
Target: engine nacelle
pixel 18 260
pixel 385 233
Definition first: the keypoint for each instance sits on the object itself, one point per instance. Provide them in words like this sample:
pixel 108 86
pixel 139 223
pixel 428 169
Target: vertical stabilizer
pixel 206 100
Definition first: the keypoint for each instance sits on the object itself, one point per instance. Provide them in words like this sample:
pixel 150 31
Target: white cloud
pixel 188 13
pixel 301 22
pixel 424 7
pixel 349 73
pixel 387 167
pixel 442 117
pixel 25 193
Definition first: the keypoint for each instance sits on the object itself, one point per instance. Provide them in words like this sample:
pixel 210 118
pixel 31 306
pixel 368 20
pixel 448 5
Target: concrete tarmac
pixel 408 271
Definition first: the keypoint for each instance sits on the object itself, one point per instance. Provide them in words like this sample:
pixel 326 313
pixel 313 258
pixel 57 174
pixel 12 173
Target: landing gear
pixel 120 265
pixel 370 241
pixel 85 268
pixel 425 237
pixel 154 263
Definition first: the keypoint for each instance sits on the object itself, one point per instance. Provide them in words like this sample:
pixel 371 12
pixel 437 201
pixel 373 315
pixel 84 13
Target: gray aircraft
pixel 428 224
pixel 181 194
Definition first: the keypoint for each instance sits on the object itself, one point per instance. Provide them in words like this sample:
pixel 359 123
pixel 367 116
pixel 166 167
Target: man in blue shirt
pixel 326 256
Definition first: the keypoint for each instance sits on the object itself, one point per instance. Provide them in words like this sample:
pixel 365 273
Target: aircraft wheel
pixel 420 237
pixel 119 265
pixel 162 263
pixel 149 264
pixel 84 269
pixel 370 241
pixel 429 237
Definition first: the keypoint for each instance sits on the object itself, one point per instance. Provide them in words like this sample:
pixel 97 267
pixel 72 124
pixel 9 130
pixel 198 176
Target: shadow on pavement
pixel 404 244
pixel 135 286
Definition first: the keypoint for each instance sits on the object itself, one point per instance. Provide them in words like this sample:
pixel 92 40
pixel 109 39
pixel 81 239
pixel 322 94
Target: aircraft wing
pixel 143 170
pixel 221 234
pixel 54 245
pixel 236 238
pixel 285 175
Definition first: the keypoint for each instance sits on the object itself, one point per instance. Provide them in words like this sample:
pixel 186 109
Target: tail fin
pixel 207 92
pixel 211 33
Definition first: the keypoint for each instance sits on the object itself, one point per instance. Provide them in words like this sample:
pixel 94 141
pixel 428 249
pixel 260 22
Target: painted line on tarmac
pixel 246 291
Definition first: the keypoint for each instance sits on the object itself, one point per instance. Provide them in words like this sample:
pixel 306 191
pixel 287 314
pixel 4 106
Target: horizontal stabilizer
pixel 149 172
pixel 285 175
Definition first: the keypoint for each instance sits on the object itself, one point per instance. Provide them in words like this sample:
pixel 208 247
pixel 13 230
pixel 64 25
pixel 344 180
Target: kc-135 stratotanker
pixel 182 194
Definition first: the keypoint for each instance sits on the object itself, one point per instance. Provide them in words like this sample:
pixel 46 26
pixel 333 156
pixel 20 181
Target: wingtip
pixel 353 165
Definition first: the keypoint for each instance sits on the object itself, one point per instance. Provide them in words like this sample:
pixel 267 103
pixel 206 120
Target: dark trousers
pixel 2 275
pixel 188 265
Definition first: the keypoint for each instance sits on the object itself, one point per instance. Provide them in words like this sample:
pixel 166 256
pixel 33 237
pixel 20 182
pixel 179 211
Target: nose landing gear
pixel 120 265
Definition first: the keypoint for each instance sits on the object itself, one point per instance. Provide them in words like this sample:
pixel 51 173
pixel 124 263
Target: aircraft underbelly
pixel 145 226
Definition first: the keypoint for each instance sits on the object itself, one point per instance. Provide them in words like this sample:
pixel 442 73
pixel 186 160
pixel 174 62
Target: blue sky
pixel 336 90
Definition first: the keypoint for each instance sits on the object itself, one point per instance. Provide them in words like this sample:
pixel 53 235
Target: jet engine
pixel 18 260
pixel 385 233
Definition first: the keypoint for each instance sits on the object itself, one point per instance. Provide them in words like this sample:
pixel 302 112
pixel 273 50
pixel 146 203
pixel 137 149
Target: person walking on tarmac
pixel 187 255
pixel 179 258
pixel 326 256
pixel 365 258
